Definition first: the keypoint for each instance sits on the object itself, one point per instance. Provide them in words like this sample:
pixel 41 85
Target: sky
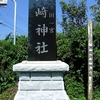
pixel 7 17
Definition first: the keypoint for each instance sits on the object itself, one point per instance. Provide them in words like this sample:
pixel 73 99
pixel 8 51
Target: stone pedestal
pixel 41 80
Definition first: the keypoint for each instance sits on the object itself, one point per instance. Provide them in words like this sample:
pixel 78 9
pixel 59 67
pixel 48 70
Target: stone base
pixel 41 95
pixel 41 80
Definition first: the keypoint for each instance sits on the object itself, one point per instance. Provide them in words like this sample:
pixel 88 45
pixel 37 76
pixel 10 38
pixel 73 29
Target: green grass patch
pixel 9 93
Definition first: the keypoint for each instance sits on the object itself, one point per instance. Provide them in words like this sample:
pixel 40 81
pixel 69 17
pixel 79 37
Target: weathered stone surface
pixel 61 95
pixel 40 85
pixel 52 85
pixel 57 76
pixel 41 76
pixel 41 95
pixel 25 76
pixel 41 80
pixel 33 76
pixel 29 85
pixel 41 66
pixel 21 95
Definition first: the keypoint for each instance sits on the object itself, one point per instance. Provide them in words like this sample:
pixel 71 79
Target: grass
pixel 9 93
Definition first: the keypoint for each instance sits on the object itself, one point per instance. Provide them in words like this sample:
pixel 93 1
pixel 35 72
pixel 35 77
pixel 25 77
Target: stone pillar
pixel 41 80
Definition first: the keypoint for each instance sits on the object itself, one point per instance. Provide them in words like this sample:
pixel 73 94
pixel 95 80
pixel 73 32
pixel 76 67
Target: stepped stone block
pixel 41 80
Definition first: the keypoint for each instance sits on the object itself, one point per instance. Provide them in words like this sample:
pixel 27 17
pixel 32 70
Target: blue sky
pixel 7 17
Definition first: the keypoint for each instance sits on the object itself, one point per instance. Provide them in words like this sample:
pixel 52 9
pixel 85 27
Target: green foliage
pixel 96 44
pixel 96 11
pixel 73 14
pixel 22 48
pixel 75 90
pixel 63 50
pixel 9 55
pixel 96 94
pixel 72 49
pixel 9 93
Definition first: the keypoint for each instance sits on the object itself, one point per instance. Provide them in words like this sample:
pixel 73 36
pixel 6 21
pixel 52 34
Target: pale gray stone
pixel 24 76
pixel 41 66
pixel 21 95
pixel 41 76
pixel 61 95
pixel 29 85
pixel 57 76
pixel 52 85
pixel 41 85
pixel 41 80
pixel 40 95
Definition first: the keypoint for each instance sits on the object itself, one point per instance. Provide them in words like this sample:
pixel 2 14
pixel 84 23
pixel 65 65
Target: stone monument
pixel 42 30
pixel 41 77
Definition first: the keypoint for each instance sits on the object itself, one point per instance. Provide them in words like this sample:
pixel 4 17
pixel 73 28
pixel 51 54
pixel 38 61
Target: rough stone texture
pixel 52 85
pixel 57 76
pixel 41 95
pixel 41 80
pixel 24 76
pixel 40 85
pixel 29 85
pixel 41 76
pixel 21 95
pixel 41 66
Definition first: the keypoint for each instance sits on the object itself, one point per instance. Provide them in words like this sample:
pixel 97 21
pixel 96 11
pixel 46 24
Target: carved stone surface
pixel 40 85
pixel 42 30
pixel 41 80
pixel 41 66
pixel 41 95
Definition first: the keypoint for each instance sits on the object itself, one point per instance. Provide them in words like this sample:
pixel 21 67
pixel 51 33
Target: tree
pixel 72 49
pixel 11 54
pixel 96 11
pixel 73 14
